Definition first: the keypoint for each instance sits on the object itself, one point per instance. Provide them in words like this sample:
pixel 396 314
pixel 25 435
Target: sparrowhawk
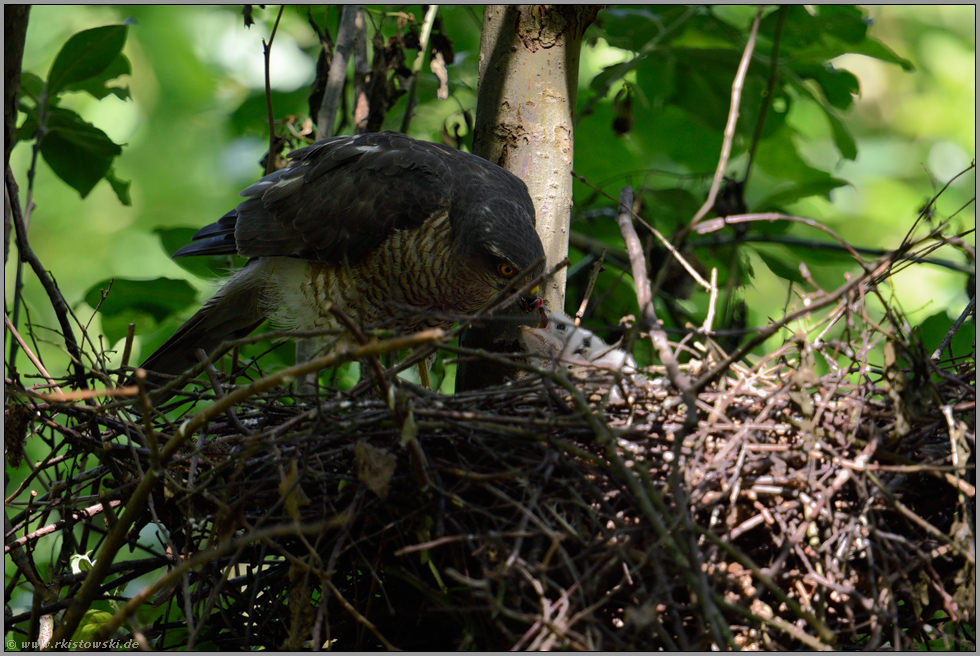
pixel 396 232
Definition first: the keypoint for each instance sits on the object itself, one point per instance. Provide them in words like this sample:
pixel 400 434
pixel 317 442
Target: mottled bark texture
pixel 529 56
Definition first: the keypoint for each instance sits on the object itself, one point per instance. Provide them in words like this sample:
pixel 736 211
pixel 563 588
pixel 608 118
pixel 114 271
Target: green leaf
pixel 131 300
pixel 81 562
pixel 670 208
pixel 785 197
pixel 116 326
pixel 779 157
pixel 704 81
pixel 738 16
pixel 843 138
pixel 85 55
pixel 28 128
pixel 656 77
pixel 846 22
pixel 174 238
pixel 31 86
pixel 798 29
pixel 630 27
pixel 804 30
pixel 78 152
pixel 839 86
pixel 92 621
pixel 121 187
pixel 97 85
pixel 872 47
pixel 934 330
pixel 252 116
pixel 602 82
pixel 778 266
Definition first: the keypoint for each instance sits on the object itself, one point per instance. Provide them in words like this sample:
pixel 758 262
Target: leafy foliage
pixel 78 152
pixel 679 63
pixel 120 299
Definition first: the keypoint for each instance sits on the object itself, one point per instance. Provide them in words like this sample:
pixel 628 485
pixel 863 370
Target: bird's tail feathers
pixel 234 312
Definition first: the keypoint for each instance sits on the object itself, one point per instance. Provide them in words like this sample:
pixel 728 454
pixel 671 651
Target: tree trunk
pixel 529 57
pixel 14 33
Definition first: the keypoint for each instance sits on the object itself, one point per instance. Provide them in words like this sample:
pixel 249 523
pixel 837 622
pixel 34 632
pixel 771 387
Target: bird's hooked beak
pixel 543 320
pixel 531 302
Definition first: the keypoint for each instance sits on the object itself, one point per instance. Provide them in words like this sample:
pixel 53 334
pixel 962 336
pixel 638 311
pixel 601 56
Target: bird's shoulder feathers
pixel 338 199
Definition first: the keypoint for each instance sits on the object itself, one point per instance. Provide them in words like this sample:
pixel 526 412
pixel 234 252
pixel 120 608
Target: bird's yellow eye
pixel 506 270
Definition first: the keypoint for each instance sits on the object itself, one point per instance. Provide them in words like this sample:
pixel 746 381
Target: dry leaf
pixel 375 467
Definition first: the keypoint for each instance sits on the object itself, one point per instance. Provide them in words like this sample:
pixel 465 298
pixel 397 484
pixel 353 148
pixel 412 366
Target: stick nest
pixel 785 510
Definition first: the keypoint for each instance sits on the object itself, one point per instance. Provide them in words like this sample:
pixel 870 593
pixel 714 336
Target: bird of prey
pixel 398 233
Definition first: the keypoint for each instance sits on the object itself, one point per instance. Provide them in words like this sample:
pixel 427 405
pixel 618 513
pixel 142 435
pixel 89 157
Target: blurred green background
pixel 193 135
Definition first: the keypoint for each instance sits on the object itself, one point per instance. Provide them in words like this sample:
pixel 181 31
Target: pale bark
pixel 529 56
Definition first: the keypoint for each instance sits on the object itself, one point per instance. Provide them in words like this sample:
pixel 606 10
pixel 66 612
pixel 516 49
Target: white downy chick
pixel 558 339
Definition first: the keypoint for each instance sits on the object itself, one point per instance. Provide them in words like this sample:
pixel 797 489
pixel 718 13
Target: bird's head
pixel 498 238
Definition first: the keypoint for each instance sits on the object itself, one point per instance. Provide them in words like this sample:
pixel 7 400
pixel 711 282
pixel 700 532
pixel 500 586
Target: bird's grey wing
pixel 338 199
pixel 234 312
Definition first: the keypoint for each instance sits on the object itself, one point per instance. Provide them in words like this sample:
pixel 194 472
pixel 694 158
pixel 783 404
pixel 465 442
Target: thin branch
pixel 86 394
pixel 327 116
pixel 812 244
pixel 719 223
pixel 219 393
pixel 25 253
pixel 270 160
pixel 37 534
pixel 770 86
pixel 648 319
pixel 709 318
pixel 726 146
pixel 30 354
pixel 680 380
pixel 359 617
pixel 596 269
pixel 970 308
pixel 16 550
pixel 637 260
pixel 430 18
pixel 698 278
pixel 362 74
pixel 362 339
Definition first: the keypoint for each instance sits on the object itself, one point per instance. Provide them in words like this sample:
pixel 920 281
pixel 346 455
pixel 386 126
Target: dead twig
pixel 346 36
pixel 730 125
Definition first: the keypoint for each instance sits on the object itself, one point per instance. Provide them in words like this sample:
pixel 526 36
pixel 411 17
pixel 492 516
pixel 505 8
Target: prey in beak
pixel 531 302
pixel 556 338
